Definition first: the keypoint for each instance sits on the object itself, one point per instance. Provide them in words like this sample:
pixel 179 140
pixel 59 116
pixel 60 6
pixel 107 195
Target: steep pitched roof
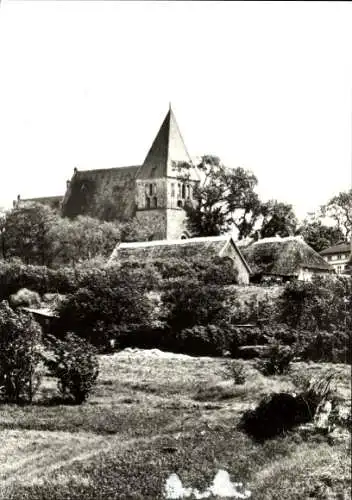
pixel 282 256
pixel 341 248
pixel 210 246
pixel 166 153
pixel 107 194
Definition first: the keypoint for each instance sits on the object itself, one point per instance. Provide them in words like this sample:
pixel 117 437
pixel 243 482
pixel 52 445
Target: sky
pixel 263 85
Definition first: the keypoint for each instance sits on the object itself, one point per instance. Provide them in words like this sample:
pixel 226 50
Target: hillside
pixel 153 414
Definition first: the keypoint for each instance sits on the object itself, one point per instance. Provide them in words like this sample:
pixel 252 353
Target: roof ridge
pixel 139 244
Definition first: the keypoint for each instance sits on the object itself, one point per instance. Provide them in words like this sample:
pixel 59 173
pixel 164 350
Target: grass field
pixel 152 415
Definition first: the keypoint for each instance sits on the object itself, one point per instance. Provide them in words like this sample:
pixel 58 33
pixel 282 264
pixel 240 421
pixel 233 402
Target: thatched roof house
pixel 212 246
pixel 284 258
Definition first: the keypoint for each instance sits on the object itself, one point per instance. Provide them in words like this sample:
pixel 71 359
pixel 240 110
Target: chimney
pixel 67 184
pixel 18 197
pixel 75 170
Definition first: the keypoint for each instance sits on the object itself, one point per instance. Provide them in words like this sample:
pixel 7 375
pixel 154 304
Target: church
pixel 152 192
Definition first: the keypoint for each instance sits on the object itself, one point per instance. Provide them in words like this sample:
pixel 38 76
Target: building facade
pixel 338 256
pixel 155 192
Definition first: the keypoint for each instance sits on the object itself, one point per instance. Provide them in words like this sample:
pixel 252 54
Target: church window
pixel 172 190
pixel 179 189
pixel 150 189
pixel 188 191
pixel 183 191
pixel 147 202
pixel 179 203
pixel 155 202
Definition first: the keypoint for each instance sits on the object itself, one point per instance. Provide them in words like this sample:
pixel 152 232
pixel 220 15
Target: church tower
pixel 161 193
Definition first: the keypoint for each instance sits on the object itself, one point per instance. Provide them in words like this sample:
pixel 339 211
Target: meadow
pixel 152 414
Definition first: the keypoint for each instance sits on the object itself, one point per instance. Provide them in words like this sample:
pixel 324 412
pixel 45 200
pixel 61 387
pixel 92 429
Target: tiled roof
pixel 341 248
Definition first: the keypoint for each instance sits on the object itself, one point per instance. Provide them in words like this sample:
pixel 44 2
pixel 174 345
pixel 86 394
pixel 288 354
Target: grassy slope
pixel 151 416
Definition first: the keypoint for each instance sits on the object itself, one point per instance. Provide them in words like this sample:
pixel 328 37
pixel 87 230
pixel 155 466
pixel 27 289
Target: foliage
pixel 280 412
pixel 107 303
pixel 200 340
pixel 224 197
pixel 26 233
pixel 278 219
pixel 277 360
pixel 25 297
pixel 339 208
pixel 83 238
pixel 236 371
pixel 191 303
pixel 334 346
pixel 19 355
pixel 323 304
pixel 319 236
pixel 75 365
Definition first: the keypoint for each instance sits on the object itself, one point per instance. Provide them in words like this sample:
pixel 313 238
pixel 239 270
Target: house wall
pixel 338 261
pixel 243 274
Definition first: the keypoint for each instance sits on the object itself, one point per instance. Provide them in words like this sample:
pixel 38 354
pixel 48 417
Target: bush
pixel 114 303
pixel 25 298
pixel 190 303
pixel 200 340
pixel 19 355
pixel 280 412
pixel 277 360
pixel 75 364
pixel 236 372
pixel 333 347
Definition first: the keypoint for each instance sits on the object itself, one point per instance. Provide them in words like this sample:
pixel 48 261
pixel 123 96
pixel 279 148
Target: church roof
pixel 209 246
pixel 167 153
pixel 107 194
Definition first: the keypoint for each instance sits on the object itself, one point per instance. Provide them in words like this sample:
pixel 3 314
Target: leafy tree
pixel 224 198
pixel 84 238
pixel 339 208
pixel 319 236
pixel 107 306
pixel 19 355
pixel 278 219
pixel 26 233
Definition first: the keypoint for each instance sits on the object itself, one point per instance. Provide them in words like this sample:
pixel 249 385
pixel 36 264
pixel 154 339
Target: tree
pixel 19 355
pixel 278 219
pixel 84 238
pixel 318 235
pixel 26 233
pixel 339 208
pixel 224 198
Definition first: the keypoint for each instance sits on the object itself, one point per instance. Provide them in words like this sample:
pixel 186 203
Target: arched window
pixel 188 191
pixel 155 202
pixel 150 189
pixel 179 189
pixel 172 190
pixel 183 191
pixel 147 202
pixel 179 203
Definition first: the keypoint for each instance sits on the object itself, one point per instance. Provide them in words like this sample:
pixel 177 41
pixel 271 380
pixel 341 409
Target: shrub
pixel 75 364
pixel 19 355
pixel 113 303
pixel 334 347
pixel 236 372
pixel 280 412
pixel 277 360
pixel 25 297
pixel 191 303
pixel 200 340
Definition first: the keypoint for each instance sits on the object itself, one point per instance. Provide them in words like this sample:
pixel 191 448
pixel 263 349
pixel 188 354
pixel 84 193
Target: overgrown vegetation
pixel 20 357
pixel 74 363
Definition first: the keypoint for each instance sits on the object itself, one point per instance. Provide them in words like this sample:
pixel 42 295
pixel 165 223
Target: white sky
pixel 263 85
